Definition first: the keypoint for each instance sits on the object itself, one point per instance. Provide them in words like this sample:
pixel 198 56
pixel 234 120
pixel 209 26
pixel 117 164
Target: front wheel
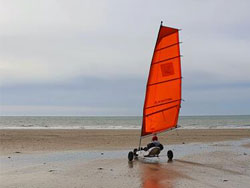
pixel 130 156
pixel 170 155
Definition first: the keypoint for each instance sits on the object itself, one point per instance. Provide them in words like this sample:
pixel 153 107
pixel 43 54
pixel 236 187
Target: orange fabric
pixel 163 93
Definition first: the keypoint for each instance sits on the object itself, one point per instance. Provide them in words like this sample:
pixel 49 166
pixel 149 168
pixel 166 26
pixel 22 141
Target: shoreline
pixel 113 129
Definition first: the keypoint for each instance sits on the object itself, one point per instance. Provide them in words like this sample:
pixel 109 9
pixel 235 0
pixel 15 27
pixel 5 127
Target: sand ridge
pixel 28 141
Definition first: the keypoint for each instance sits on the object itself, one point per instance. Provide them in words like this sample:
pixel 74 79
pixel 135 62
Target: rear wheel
pixel 170 155
pixel 130 156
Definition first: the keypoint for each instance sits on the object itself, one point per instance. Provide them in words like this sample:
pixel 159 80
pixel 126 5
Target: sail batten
pixel 161 110
pixel 167 46
pixel 164 81
pixel 164 103
pixel 161 61
pixel 163 92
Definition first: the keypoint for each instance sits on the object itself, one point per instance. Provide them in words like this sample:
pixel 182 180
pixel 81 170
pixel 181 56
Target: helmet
pixel 154 138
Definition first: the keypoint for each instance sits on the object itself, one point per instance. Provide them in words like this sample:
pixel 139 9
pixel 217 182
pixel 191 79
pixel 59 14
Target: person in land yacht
pixel 154 143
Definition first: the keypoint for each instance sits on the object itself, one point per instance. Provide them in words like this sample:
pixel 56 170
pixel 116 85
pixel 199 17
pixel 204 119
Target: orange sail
pixel 163 93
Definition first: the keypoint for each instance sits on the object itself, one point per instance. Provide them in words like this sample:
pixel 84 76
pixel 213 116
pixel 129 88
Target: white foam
pixel 38 128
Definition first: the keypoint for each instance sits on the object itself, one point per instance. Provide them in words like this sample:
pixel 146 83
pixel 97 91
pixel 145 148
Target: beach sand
pixel 98 158
pixel 30 141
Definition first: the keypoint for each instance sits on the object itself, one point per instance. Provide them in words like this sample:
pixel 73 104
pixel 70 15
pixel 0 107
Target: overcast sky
pixel 87 57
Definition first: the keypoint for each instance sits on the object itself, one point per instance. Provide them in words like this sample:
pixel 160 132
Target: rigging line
pixel 161 110
pixel 166 59
pixel 163 103
pixel 167 46
pixel 164 81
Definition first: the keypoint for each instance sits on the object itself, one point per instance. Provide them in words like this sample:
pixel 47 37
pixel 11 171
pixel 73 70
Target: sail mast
pixel 147 84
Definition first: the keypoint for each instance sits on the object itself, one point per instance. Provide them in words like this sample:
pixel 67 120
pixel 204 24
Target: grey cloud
pixel 96 54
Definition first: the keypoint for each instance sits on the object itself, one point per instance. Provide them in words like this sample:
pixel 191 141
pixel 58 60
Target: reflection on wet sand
pixel 157 175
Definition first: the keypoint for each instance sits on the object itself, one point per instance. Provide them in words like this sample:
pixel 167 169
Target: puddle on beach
pixel 19 160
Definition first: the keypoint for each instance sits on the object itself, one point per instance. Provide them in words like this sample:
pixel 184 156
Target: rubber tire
pixel 170 155
pixel 130 156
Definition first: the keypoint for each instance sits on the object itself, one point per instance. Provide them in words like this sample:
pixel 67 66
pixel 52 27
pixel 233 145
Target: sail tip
pixel 161 23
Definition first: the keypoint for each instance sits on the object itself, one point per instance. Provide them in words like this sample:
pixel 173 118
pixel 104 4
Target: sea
pixel 119 122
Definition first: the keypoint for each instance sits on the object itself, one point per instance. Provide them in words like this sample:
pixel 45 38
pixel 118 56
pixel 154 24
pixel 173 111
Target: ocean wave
pixel 104 127
pixel 246 125
pixel 111 127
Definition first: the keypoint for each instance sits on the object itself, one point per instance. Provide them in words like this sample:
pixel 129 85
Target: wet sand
pixel 63 158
